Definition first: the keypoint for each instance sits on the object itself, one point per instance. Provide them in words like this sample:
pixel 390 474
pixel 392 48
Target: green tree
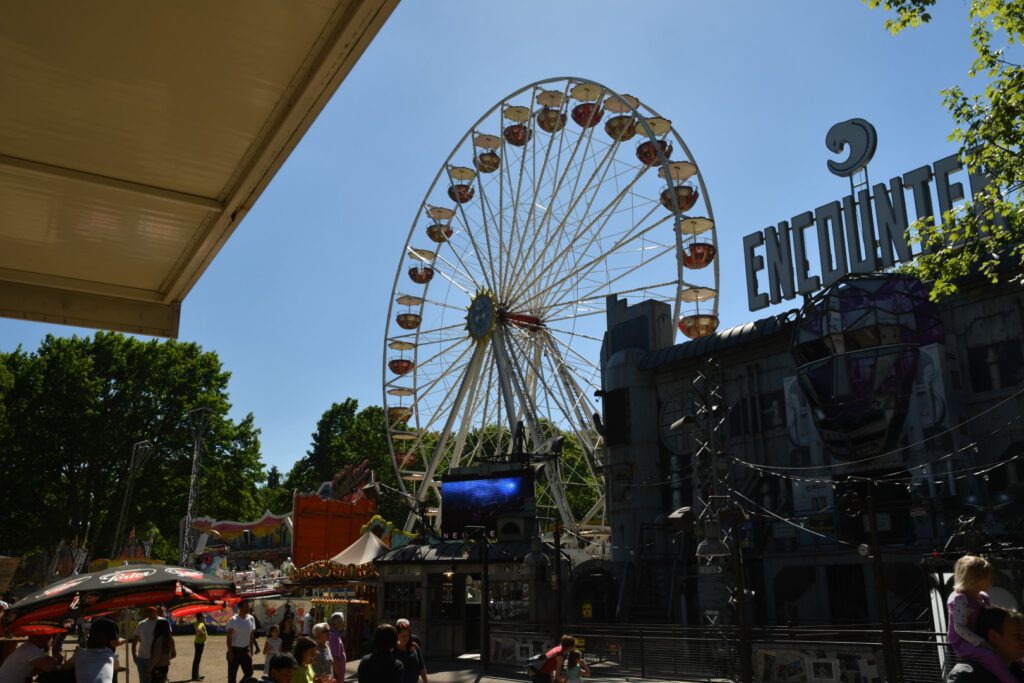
pixel 988 235
pixel 77 405
pixel 346 436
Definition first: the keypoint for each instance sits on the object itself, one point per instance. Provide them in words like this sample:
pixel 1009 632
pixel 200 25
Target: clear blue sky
pixel 295 304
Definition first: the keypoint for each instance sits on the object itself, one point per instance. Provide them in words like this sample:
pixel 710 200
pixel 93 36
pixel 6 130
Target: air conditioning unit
pixel 513 529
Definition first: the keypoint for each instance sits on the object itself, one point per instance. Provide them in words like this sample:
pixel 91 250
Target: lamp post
pixel 558 580
pixel 480 532
pixel 888 642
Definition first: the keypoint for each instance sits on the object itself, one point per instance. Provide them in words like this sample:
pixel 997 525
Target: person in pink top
pixel 337 644
pixel 972 578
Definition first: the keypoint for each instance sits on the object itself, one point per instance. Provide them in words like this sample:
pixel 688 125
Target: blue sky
pixel 296 302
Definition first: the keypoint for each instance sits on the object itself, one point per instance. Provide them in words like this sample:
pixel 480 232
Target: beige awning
pixel 364 550
pixel 136 134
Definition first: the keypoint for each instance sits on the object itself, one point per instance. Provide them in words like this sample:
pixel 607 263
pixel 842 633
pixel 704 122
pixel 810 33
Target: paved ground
pixel 215 669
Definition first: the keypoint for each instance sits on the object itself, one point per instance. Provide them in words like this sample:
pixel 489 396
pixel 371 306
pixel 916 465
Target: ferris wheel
pixel 562 195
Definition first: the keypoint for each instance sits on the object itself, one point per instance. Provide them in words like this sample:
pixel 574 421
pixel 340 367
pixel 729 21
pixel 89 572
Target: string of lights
pixel 898 449
pixel 905 482
pixel 790 522
pixel 904 477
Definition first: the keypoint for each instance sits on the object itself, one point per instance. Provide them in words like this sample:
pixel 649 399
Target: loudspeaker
pixel 513 529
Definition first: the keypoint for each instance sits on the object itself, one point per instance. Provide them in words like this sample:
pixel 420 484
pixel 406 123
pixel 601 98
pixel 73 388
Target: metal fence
pixel 659 652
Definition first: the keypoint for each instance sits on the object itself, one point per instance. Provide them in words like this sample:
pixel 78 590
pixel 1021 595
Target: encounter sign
pixel 857 234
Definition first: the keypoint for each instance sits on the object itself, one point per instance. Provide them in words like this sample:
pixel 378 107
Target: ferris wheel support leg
pixel 471 372
pixel 460 439
pixel 551 468
pixel 504 382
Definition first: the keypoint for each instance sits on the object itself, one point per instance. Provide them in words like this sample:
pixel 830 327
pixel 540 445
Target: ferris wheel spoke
pixel 555 235
pixel 536 179
pixel 583 361
pixel 480 260
pixel 486 383
pixel 626 272
pixel 581 404
pixel 437 335
pixel 561 178
pixel 448 367
pixel 591 230
pixel 470 377
pixel 595 227
pixel 553 474
pixel 467 418
pixel 469 284
pixel 558 287
pixel 555 310
pixel 552 311
pixel 487 220
pixel 425 397
pixel 600 253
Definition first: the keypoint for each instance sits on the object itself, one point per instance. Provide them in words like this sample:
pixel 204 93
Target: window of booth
pixel 403 599
pixel 510 600
pixel 443 596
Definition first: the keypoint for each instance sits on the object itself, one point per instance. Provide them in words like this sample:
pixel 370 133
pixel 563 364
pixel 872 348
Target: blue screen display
pixel 479 502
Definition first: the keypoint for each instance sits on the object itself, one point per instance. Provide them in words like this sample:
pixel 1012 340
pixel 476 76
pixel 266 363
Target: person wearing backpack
pixel 554 660
pixel 408 652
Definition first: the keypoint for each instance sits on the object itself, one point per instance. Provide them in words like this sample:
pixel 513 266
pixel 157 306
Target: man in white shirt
pixel 29 658
pixel 241 642
pixel 142 642
pixel 307 623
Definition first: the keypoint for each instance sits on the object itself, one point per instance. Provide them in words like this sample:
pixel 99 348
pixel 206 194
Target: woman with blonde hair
pixel 323 662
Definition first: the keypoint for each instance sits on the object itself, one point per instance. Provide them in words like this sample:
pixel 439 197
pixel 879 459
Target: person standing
pixel 161 652
pixel 305 653
pixel 200 645
pixel 576 668
pixel 409 654
pixel 323 662
pixel 381 666
pixel 307 622
pixel 336 643
pixel 288 632
pixel 241 642
pixel 142 643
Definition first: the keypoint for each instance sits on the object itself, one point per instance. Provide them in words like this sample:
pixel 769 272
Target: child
pixel 273 645
pixel 576 667
pixel 972 576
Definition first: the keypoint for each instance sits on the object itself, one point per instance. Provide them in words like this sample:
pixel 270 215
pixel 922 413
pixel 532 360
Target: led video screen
pixel 480 501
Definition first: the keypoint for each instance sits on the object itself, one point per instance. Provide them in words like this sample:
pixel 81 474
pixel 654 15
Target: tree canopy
pixel 344 436
pixel 988 235
pixel 70 413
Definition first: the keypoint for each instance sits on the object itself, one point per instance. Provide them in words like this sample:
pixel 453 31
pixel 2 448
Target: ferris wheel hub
pixel 480 316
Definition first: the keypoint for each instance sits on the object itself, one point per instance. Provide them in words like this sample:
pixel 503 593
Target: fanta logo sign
pixel 61 587
pixel 126 576
pixel 184 573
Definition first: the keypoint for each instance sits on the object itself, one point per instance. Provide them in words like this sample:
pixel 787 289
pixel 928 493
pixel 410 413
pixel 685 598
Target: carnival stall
pixel 345 583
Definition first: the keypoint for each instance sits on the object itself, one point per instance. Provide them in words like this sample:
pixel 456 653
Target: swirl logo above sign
pixel 860 137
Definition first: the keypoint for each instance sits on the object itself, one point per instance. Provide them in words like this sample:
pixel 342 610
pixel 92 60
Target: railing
pixel 660 652
pixel 252 587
